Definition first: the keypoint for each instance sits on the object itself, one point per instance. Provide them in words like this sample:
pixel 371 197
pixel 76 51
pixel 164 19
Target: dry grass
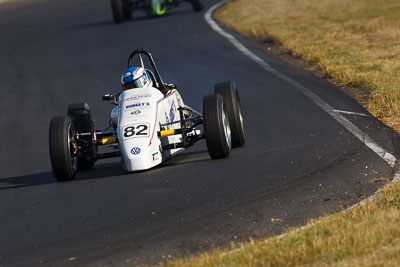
pixel 356 42
pixel 369 236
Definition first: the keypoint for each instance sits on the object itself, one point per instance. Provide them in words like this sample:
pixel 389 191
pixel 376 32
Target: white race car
pixel 148 126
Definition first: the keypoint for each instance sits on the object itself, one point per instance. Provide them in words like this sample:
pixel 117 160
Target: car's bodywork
pixel 148 125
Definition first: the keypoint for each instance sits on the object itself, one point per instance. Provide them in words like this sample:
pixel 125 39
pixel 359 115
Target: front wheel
pixel 216 126
pixel 83 123
pixel 127 9
pixel 62 145
pixel 230 94
pixel 157 7
pixel 197 5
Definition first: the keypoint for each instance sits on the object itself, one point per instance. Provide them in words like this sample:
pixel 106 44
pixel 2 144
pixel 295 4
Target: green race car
pixel 122 9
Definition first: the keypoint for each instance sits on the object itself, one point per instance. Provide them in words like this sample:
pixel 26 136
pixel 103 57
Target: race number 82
pixel 136 130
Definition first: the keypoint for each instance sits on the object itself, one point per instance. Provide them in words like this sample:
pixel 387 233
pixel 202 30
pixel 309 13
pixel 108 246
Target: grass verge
pixel 366 236
pixel 356 43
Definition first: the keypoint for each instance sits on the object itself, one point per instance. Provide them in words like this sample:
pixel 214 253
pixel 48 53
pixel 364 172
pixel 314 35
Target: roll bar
pixel 139 52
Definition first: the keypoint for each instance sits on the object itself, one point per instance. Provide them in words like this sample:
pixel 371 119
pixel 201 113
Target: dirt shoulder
pixel 354 45
pixel 276 50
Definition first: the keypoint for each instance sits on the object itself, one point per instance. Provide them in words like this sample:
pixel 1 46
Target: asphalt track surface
pixel 298 163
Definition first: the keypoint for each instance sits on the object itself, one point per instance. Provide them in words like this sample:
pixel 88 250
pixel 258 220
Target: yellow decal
pixel 167 133
pixel 108 141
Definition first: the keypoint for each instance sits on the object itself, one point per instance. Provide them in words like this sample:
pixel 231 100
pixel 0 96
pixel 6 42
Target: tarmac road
pixel 298 163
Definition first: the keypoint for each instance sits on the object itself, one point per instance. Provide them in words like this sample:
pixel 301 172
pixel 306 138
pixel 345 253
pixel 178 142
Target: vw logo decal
pixel 135 112
pixel 135 151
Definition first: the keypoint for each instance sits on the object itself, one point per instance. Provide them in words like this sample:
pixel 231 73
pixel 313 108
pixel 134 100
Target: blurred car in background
pixel 123 9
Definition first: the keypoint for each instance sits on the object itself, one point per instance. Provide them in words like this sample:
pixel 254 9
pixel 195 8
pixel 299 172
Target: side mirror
pixel 170 86
pixel 108 97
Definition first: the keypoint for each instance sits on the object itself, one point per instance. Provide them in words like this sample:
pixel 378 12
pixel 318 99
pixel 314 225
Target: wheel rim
pixel 227 127
pixel 71 148
pixel 240 112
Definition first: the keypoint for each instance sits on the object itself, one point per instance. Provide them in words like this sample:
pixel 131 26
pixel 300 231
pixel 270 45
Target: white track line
pixel 381 152
pixel 363 137
pixel 351 113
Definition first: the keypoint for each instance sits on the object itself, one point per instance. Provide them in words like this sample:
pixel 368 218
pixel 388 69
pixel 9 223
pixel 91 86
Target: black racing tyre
pixel 117 8
pixel 230 94
pixel 62 138
pixel 197 5
pixel 82 119
pixel 127 9
pixel 216 126
pixel 127 12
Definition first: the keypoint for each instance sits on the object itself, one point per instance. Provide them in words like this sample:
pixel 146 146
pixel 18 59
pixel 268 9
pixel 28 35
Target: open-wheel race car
pixel 122 9
pixel 149 124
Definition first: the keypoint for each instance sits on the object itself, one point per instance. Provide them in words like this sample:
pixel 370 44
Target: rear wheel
pixel 62 145
pixel 216 126
pixel 82 120
pixel 197 5
pixel 118 12
pixel 230 94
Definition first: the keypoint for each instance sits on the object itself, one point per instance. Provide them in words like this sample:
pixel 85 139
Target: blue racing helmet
pixel 135 77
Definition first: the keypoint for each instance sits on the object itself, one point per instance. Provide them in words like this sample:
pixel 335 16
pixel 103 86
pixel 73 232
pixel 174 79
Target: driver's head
pixel 135 77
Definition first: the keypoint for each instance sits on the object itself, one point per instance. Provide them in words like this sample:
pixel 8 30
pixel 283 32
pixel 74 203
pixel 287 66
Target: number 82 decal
pixel 136 130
